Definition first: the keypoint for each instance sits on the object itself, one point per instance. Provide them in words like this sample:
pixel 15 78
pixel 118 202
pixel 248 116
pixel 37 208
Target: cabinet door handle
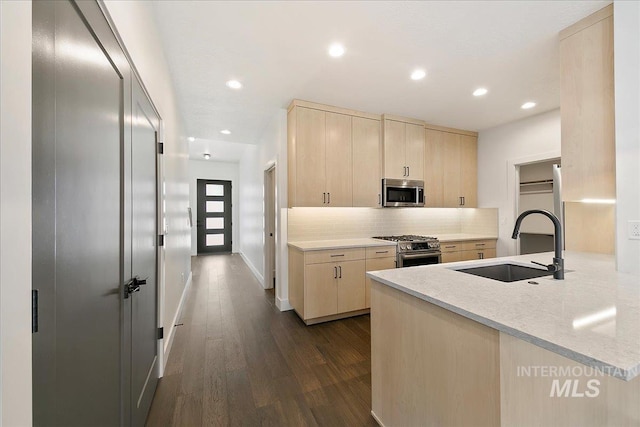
pixel 480 244
pixel 382 252
pixel 408 171
pixel 463 201
pixel 379 198
pixel 449 247
pixel 335 272
pixel 480 255
pixel 328 198
pixel 340 267
pixel 333 256
pixel 324 198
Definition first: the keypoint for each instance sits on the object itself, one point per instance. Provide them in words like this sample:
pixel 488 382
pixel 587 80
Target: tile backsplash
pixel 347 223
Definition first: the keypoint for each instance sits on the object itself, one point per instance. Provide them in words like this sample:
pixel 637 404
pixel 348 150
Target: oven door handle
pixel 422 255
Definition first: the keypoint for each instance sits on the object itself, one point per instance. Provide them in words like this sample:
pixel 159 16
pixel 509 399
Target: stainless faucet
pixel 558 263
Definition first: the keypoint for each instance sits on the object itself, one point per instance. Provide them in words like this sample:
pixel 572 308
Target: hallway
pixel 238 360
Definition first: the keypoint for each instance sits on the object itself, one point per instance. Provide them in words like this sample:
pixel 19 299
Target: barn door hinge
pixel 160 239
pixel 160 148
pixel 34 311
pixel 160 333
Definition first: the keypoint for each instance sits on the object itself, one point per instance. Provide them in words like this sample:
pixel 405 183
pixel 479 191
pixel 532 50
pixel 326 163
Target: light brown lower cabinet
pixel 330 284
pixel 468 250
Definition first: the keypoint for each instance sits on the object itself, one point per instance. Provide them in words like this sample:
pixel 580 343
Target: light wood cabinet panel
pixel 478 244
pixel 477 254
pixel 433 169
pixel 320 290
pixel 403 150
pixel 339 172
pixel 351 286
pixel 376 264
pixel 587 111
pixel 469 170
pixel 460 170
pixel 367 162
pixel 451 169
pixel 310 157
pixel 394 150
pixel 334 255
pixel 467 251
pixel 380 252
pixel 296 281
pixel 451 256
pixel 414 151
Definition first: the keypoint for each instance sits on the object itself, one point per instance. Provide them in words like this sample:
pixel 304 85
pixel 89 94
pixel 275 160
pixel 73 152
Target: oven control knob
pixel 402 246
pixel 409 246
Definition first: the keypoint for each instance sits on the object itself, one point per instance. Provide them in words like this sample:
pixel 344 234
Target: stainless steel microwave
pixel 402 193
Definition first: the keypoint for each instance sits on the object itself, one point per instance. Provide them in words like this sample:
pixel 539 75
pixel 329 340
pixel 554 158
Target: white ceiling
pixel 278 50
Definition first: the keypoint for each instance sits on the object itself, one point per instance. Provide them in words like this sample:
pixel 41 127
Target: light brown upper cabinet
pixel 451 168
pixel 367 162
pixel 319 158
pixel 403 143
pixel 587 108
pixel 334 156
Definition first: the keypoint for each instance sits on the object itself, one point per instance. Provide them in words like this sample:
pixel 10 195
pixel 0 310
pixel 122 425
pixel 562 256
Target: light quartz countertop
pixel 461 237
pixel 592 317
pixel 318 245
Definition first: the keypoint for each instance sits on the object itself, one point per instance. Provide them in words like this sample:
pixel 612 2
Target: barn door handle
pixel 138 281
pixel 130 287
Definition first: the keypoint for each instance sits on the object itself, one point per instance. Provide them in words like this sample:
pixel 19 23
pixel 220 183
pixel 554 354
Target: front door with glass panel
pixel 214 216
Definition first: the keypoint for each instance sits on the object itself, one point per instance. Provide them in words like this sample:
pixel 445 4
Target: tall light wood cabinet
pixel 334 157
pixel 451 168
pixel 367 162
pixel 587 108
pixel 310 159
pixel 403 143
pixel 338 164
pixel 434 168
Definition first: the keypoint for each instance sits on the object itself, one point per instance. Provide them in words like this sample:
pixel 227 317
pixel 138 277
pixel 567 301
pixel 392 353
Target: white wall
pixel 499 149
pixel 271 148
pixel 627 103
pixel 137 28
pixel 225 171
pixel 15 213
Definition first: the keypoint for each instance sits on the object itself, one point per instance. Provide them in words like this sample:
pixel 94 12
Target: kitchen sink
pixel 506 272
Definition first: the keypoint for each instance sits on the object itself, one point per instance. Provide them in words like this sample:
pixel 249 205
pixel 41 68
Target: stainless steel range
pixel 415 250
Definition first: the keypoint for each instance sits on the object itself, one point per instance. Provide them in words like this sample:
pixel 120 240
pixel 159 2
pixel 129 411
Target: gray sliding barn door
pixel 144 329
pixel 94 224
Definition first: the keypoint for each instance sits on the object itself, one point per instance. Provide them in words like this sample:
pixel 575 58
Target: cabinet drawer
pixel 477 254
pixel 451 256
pixel 333 255
pixel 478 244
pixel 381 252
pixel 450 247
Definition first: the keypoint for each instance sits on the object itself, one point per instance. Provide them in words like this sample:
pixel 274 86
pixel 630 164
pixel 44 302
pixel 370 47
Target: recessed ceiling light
pixel 234 84
pixel 225 132
pixel 480 91
pixel 336 50
pixel 418 74
pixel 191 139
pixel 206 156
pixel 528 105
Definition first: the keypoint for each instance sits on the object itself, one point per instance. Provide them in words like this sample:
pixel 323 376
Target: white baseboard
pixel 253 269
pixel 283 304
pixel 169 339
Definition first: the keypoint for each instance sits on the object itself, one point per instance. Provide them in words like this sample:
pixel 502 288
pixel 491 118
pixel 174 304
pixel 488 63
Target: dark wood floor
pixel 238 360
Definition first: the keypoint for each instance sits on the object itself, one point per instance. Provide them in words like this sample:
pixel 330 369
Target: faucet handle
pixel 551 267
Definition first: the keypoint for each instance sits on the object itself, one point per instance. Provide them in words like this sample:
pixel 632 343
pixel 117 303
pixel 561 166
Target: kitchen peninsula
pixel 450 348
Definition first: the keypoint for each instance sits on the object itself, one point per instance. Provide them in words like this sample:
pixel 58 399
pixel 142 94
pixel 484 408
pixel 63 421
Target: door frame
pixel 513 181
pixel 270 217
